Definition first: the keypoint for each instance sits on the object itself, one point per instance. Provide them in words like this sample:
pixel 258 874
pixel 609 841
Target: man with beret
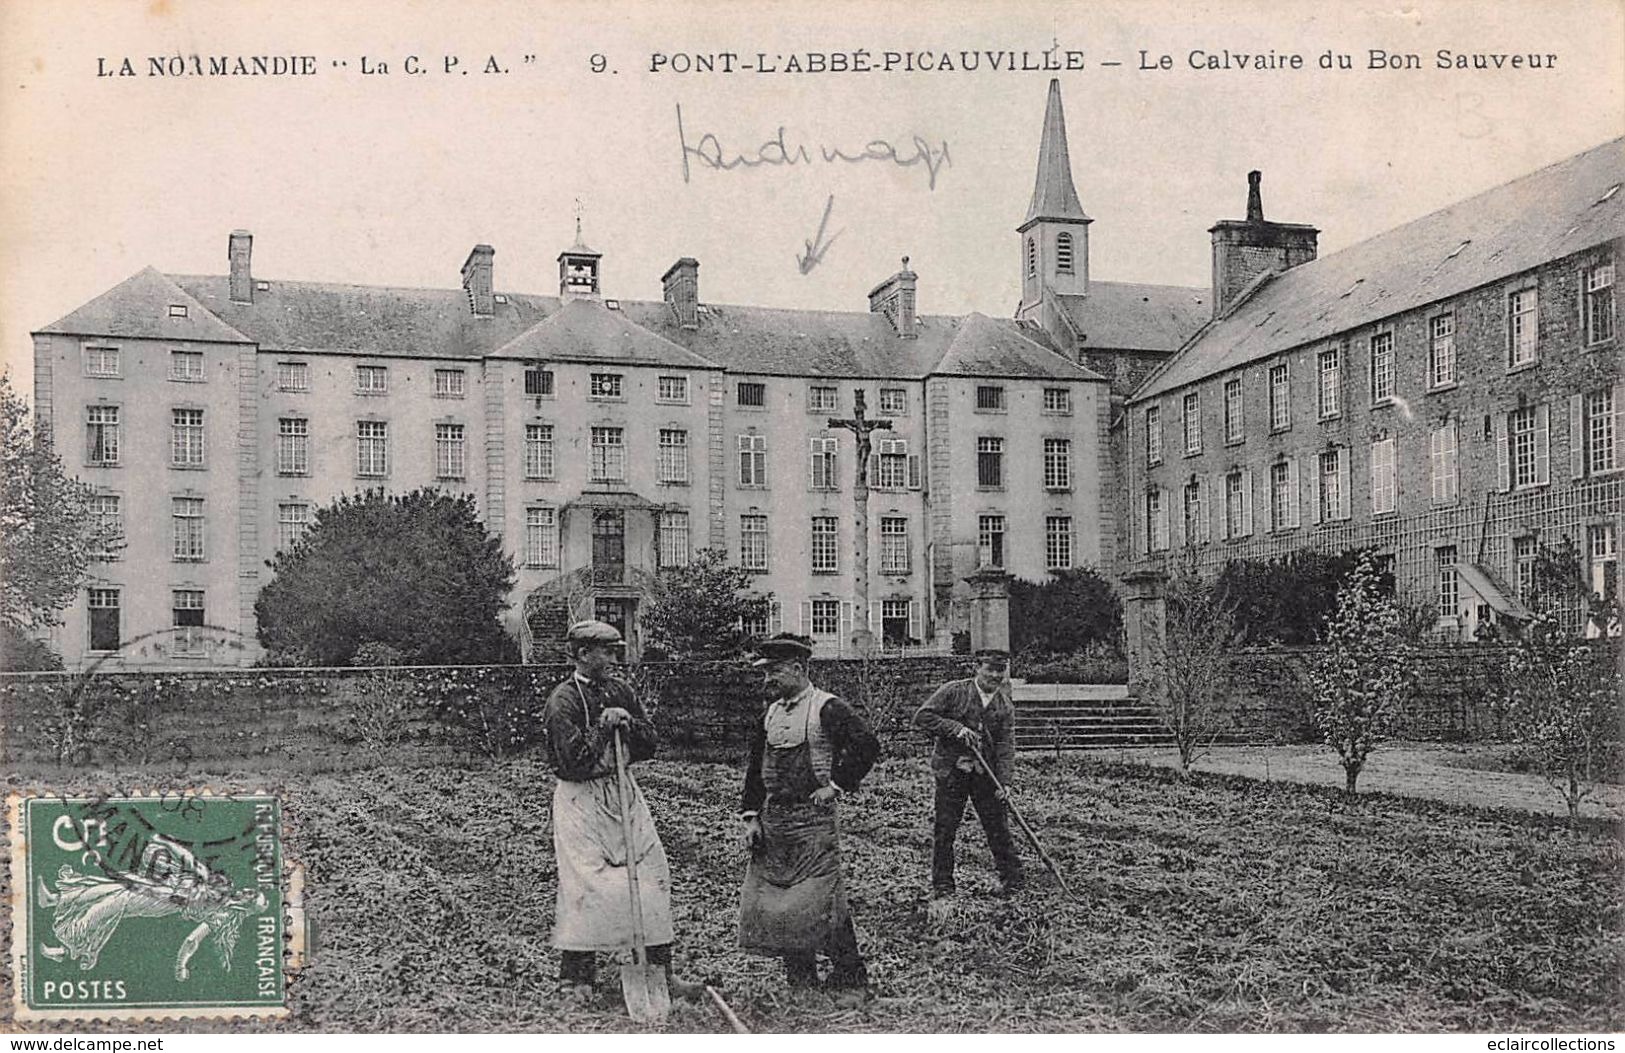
pixel 807 751
pixel 594 906
pixel 975 712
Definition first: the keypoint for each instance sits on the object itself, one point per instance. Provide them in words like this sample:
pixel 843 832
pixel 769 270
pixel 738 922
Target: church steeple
pixel 1055 234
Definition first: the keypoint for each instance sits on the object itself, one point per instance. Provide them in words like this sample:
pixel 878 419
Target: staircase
pixel 1084 716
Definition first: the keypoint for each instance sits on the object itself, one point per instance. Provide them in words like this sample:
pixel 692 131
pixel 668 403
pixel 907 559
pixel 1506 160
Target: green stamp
pixel 147 906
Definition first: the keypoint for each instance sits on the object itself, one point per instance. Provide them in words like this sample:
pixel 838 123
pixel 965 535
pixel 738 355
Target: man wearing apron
pixel 593 911
pixel 963 713
pixel 808 750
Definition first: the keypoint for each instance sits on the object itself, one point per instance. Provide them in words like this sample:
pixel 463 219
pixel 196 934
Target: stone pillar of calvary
pixel 863 427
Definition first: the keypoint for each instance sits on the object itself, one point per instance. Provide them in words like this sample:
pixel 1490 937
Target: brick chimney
pixel 477 280
pixel 681 283
pixel 239 253
pixel 1243 249
pixel 894 298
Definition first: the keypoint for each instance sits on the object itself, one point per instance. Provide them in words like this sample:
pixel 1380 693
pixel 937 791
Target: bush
pixel 1074 609
pixel 1097 663
pixel 21 653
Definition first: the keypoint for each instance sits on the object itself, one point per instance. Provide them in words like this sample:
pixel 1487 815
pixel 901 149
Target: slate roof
pixel 138 307
pixel 587 331
pixel 1129 317
pixel 1054 195
pixel 1544 216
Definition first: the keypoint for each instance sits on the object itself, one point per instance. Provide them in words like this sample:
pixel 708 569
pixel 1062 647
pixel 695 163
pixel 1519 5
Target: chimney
pixel 239 253
pixel 894 298
pixel 681 283
pixel 477 280
pixel 1244 249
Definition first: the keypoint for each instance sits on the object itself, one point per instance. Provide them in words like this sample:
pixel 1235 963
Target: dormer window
pixel 177 310
pixel 1063 253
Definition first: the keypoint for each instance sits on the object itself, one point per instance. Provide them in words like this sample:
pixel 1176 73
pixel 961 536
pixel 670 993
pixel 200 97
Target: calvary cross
pixel 862 426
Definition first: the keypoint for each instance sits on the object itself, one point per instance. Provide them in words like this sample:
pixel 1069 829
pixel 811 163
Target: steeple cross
pixel 862 426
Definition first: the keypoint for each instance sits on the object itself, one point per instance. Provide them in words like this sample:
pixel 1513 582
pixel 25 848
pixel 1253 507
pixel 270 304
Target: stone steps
pixel 1085 716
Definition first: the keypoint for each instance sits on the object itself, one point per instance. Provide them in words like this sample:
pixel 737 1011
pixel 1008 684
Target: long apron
pixel 594 911
pixel 794 895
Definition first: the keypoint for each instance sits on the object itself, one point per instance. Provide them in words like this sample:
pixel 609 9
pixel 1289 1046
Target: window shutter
pixel 1577 437
pixel 1246 502
pixel 874 468
pixel 1216 510
pixel 1292 509
pixel 1393 467
pixel 1314 488
pixel 1503 468
pixel 775 618
pixel 915 632
pixel 847 615
pixel 806 617
pixel 1161 525
pixel 913 471
pixel 877 624
pixel 1204 520
pixel 812 464
pixel 1543 444
pixel 1176 519
pixel 1619 432
pixel 1343 502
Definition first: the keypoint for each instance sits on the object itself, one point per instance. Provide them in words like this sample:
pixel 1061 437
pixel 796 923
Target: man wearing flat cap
pixel 975 713
pixel 593 912
pixel 807 750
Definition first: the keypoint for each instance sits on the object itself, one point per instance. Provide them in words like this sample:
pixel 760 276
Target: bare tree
pixel 1190 661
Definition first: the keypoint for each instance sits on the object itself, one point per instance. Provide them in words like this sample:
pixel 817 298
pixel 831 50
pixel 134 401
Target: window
pixel 186 438
pixel 990 462
pixel 1442 350
pixel 752 393
pixel 672 389
pixel 448 451
pixel 1442 463
pixel 1153 435
pixel 1057 542
pixel 1449 595
pixel 101 435
pixel 1384 486
pixel 826 618
pixel 1331 486
pixel 1280 398
pixel 109 525
pixel 891 464
pixel 896 618
pixel 894 402
pixel 539 382
pixel 1330 390
pixel 605 386
pixel 448 383
pixel 823 467
pixel 990 398
pixel 186 515
pixel 1032 258
pixel 1382 367
pixel 1195 524
pixel 292 446
pixel 1235 505
pixel 1281 496
pixel 894 551
pixel 186 366
pixel 1599 303
pixel 371 380
pixel 1523 326
pixel 538 451
pixel 1063 253
pixel 755 625
pixel 1232 412
pixel 822 398
pixel 1524 447
pixel 826 557
pixel 1602 424
pixel 1057 464
pixel 673 455
pixel 177 310
pixel 101 361
pixel 1193 423
pixel 1156 520
pixel 1058 400
pixel 753 461
pixel 608 456
pixel 371 448
pixel 104 619
pixel 673 539
pixel 292 520
pixel 753 542
pixel 293 376
pixel 990 541
pixel 1523 565
pixel 541 537
pixel 1602 543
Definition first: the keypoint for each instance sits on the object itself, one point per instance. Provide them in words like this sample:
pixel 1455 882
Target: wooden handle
pixel 640 953
pixel 1021 820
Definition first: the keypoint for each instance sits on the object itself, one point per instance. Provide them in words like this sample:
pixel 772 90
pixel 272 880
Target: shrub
pixel 1097 663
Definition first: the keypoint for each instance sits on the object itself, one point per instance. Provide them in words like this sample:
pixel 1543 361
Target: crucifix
pixel 862 426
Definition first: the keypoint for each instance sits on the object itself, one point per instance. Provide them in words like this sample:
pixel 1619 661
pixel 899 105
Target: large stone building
pixel 1447 393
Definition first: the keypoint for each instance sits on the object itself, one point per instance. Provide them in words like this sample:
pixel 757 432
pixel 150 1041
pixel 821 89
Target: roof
pixel 138 307
pixel 1054 196
pixel 587 331
pixel 1129 317
pixel 1544 216
pixel 1489 588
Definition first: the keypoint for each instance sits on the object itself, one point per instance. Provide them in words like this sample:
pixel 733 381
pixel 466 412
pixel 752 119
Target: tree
pixel 1065 614
pixel 416 572
pixel 49 530
pixel 1190 662
pixel 1289 599
pixel 704 608
pixel 1364 674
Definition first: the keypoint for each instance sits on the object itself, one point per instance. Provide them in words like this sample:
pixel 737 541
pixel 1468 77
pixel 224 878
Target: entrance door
pixel 608 547
pixel 616 612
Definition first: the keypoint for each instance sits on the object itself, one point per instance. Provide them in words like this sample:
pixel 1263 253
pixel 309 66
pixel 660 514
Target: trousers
pixel 580 967
pixel 846 961
pixel 953 790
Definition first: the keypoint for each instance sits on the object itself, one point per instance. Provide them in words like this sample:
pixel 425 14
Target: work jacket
pixel 958 704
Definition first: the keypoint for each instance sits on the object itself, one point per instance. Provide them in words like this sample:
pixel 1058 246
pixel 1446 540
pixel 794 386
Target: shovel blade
pixel 648 1000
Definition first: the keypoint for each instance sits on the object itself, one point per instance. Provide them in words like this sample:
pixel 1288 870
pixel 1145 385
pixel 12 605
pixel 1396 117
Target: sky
pixel 390 178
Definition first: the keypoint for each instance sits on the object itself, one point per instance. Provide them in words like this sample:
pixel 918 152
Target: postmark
pixel 148 906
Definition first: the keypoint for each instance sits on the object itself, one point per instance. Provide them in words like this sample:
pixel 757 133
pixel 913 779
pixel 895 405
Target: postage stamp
pixel 162 906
